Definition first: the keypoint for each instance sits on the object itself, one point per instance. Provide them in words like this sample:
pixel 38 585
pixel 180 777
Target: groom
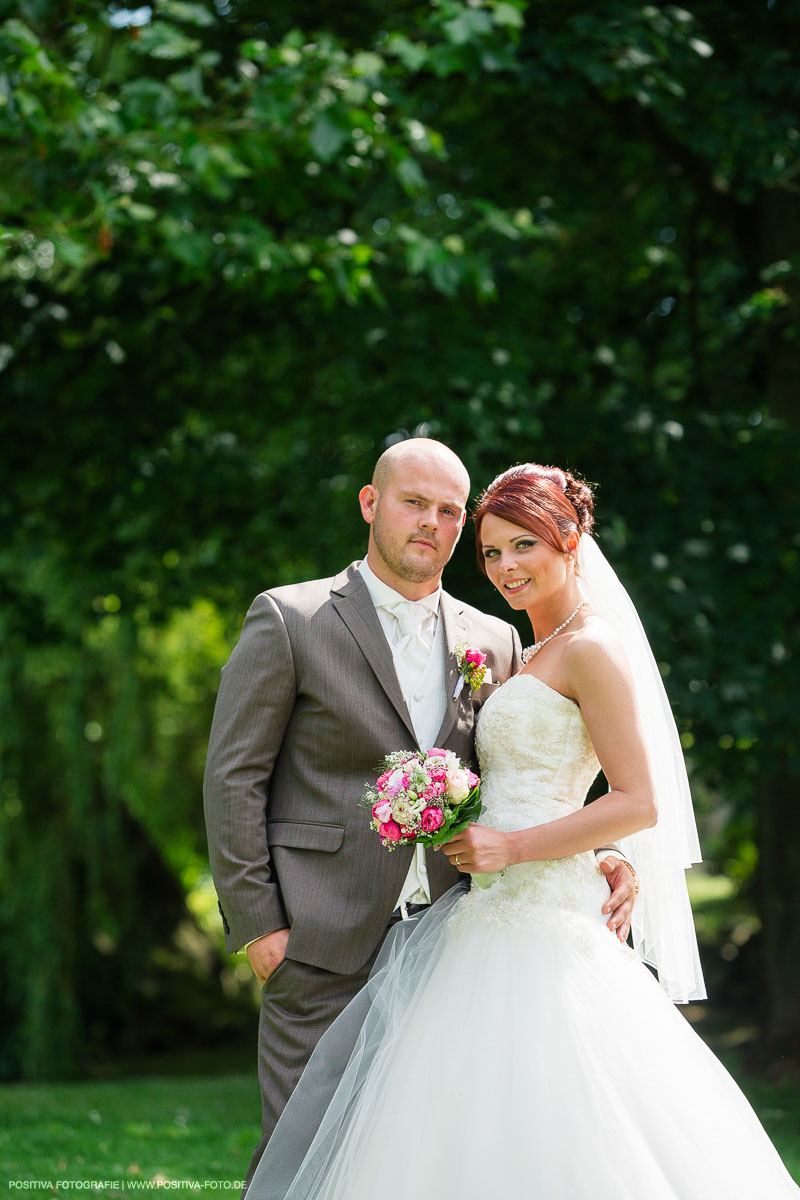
pixel 327 678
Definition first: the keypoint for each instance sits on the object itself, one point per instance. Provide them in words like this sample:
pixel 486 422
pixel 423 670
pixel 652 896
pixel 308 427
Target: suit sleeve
pixel 254 705
pixel 516 649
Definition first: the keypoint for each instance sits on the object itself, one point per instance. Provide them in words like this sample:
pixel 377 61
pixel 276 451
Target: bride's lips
pixel 515 585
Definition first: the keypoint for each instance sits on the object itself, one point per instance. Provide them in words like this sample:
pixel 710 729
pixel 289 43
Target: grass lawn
pixel 779 1110
pixel 192 1135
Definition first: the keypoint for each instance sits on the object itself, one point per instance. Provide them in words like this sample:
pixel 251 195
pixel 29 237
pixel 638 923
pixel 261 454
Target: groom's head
pixel 415 506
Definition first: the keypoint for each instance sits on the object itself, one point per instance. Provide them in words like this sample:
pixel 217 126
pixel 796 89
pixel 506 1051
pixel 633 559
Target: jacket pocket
pixel 305 835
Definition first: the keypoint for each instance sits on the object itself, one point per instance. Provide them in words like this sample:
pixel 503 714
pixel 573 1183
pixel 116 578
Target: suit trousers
pixel 298 1003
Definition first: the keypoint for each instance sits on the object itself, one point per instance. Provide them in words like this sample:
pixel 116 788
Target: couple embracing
pixel 498 1040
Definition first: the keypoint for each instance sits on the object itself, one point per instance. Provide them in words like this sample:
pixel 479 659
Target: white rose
pixel 457 785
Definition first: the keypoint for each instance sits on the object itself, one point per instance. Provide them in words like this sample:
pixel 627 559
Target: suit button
pixel 423 870
pixel 419 695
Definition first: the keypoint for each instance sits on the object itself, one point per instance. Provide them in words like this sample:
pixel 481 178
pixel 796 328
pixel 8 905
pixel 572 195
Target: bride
pixel 507 1044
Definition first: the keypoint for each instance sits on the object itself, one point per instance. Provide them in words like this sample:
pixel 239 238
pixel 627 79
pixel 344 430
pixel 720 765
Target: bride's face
pixel 524 568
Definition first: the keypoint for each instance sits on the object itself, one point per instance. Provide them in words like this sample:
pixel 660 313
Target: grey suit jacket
pixel 308 706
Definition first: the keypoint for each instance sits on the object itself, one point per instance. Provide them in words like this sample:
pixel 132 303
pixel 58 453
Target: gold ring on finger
pixel 455 860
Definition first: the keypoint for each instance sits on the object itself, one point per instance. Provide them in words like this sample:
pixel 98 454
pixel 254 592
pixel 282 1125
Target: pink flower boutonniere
pixel 472 667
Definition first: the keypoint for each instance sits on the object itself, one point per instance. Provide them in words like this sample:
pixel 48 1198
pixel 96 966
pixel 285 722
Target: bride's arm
pixel 599 678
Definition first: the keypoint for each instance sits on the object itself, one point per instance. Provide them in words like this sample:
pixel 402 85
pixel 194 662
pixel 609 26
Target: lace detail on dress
pixel 533 747
pixel 537 763
pixel 586 932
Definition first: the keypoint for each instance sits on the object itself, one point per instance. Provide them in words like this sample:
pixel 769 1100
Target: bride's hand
pixel 478 850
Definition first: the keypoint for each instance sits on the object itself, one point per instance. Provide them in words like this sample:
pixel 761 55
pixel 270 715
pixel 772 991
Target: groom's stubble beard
pixel 395 552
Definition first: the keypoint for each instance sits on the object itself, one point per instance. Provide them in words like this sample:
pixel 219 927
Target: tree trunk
pixel 778 807
pixel 779 894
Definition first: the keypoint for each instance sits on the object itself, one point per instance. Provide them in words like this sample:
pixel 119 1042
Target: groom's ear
pixel 461 526
pixel 368 500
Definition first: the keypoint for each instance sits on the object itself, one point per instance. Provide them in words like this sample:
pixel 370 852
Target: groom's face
pixel 416 518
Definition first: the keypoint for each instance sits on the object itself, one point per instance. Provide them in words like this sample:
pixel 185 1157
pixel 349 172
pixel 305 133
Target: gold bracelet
pixel 632 870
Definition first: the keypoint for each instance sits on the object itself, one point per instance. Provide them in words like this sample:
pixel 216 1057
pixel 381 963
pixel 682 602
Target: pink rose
pixel 382 811
pixel 474 656
pixel 390 830
pixel 431 819
pixel 474 779
pixel 437 753
pixel 437 787
pixel 384 779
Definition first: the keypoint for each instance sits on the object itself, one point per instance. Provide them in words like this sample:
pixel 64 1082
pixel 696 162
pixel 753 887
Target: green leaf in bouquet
pixel 470 811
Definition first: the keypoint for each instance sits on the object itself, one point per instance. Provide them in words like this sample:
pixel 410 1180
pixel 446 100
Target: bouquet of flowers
pixel 423 798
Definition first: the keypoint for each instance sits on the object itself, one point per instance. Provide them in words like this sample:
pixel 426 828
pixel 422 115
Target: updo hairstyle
pixel 546 500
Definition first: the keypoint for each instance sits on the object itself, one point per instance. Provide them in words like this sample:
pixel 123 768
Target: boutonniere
pixel 472 668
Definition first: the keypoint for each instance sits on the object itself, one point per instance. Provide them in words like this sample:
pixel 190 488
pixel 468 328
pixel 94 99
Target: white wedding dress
pixel 508 1047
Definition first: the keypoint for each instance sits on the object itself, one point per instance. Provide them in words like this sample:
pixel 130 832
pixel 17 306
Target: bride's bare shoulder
pixel 595 647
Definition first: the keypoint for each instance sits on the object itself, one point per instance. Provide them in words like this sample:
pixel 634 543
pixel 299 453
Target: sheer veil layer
pixel 301 1153
pixel 662 926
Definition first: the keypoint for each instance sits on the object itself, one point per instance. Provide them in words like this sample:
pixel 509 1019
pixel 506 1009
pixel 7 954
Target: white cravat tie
pixel 411 647
pixel 411 653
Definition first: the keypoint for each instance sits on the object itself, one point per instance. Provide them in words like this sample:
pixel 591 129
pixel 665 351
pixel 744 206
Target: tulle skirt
pixel 504 1051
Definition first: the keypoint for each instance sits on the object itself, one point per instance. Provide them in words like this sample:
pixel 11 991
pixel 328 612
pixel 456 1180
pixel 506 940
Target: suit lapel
pixel 455 632
pixel 353 603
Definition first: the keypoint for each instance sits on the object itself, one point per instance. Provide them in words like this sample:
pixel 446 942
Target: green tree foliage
pixel 238 253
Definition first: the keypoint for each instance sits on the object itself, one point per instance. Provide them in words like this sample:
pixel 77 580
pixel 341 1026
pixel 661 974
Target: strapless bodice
pixel 536 757
pixel 537 764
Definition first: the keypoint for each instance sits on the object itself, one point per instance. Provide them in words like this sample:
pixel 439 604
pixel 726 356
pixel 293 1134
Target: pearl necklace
pixel 529 651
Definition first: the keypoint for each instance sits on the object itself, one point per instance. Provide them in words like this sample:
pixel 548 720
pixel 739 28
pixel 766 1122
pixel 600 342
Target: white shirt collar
pixel 381 594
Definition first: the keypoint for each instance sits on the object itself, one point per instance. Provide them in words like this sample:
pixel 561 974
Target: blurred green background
pixel 243 248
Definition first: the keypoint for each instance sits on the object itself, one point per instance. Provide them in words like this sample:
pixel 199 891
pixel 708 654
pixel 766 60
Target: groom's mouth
pixel 423 542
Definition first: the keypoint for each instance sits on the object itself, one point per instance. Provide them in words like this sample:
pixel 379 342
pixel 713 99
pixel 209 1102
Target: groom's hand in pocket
pixel 267 953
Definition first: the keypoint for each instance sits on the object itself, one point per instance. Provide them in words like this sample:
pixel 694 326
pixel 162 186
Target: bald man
pixel 327 678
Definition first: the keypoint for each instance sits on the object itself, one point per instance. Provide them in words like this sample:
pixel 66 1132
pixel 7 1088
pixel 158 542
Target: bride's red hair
pixel 546 500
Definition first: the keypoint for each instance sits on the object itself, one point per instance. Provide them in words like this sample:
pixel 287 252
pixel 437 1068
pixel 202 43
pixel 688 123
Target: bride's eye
pixel 526 544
